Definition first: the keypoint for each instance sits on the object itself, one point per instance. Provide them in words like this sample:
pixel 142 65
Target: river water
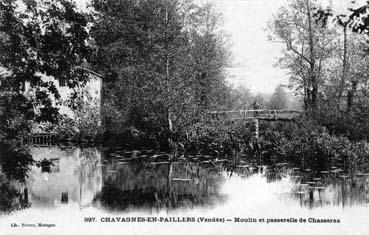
pixel 67 187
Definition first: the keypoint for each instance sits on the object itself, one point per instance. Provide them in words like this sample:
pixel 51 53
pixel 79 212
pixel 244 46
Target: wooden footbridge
pixel 254 116
pixel 268 115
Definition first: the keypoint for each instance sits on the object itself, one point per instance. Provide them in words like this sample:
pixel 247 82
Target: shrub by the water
pixel 301 143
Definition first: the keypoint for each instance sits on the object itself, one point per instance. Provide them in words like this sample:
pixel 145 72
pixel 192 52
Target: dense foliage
pixel 38 39
pixel 302 144
pixel 326 56
pixel 164 64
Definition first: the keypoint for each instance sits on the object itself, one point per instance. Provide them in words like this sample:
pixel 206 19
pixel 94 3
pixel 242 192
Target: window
pixel 64 198
pixel 62 82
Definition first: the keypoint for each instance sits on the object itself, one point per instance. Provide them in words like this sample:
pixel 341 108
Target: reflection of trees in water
pixel 271 173
pixel 89 174
pixel 128 179
pixel 13 195
pixel 312 188
pixel 10 197
pixel 159 185
pixel 15 163
pixel 15 166
pixel 330 189
pixel 320 178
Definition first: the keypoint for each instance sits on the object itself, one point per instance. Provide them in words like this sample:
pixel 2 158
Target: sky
pixel 245 21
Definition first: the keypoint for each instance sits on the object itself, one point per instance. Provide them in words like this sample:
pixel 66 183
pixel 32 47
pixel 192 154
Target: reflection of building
pixel 73 177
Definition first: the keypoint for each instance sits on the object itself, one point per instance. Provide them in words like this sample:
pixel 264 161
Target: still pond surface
pixel 69 187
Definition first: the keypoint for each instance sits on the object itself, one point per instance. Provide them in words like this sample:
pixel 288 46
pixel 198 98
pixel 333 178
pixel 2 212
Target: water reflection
pixel 11 196
pixel 118 180
pixel 64 176
pixel 332 190
pixel 161 185
pixel 68 176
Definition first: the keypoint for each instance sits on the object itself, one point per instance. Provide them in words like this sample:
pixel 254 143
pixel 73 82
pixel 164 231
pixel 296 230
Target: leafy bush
pixel 311 146
pixel 216 139
pixel 88 118
pixel 15 163
pixel 83 126
pixel 7 196
pixel 302 143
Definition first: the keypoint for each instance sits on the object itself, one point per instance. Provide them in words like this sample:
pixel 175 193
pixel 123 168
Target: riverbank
pixel 302 142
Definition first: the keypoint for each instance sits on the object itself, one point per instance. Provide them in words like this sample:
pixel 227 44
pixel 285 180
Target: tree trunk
pixel 351 95
pixel 313 77
pixel 314 93
pixel 344 66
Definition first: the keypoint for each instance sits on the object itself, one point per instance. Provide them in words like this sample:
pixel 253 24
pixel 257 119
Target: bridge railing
pixel 42 139
pixel 259 114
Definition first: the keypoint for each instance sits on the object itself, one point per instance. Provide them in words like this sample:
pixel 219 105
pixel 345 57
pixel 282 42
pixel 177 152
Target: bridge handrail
pixel 257 110
pixel 269 114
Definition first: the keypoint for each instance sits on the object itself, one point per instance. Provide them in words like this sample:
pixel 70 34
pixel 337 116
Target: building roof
pixel 90 71
pixel 4 71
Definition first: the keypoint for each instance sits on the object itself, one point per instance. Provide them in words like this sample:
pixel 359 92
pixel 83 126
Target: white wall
pixel 93 87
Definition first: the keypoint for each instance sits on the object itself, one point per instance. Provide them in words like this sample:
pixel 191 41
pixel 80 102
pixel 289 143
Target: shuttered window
pixel 62 82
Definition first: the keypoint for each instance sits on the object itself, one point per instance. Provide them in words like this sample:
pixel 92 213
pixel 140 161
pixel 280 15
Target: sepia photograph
pixel 201 117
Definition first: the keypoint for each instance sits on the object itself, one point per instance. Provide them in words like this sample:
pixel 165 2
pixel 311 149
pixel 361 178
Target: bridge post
pixel 255 127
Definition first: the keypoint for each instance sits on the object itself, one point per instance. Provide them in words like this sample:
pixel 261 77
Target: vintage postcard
pixel 164 117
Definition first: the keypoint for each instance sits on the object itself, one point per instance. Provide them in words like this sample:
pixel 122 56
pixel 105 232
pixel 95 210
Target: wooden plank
pixel 284 115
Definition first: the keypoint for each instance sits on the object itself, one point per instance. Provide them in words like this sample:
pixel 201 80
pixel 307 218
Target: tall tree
pixel 308 45
pixel 165 61
pixel 279 99
pixel 346 63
